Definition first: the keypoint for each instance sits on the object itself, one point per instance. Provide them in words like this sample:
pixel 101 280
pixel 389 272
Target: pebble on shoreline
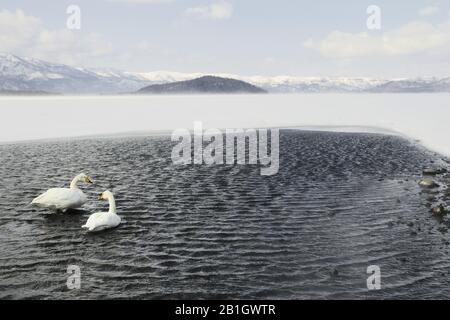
pixel 439 210
pixel 428 183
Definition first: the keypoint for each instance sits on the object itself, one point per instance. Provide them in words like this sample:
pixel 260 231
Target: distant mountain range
pixel 33 75
pixel 205 84
pixel 27 74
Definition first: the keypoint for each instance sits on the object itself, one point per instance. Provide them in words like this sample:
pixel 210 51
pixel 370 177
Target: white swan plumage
pixel 62 199
pixel 104 220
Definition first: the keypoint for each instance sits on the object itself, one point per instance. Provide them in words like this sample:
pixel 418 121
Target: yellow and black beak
pixel 100 196
pixel 88 180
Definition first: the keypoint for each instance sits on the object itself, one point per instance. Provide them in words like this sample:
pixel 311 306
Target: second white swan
pixel 104 220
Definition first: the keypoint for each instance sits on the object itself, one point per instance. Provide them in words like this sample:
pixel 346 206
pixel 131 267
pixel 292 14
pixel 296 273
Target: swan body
pixel 62 199
pixel 103 220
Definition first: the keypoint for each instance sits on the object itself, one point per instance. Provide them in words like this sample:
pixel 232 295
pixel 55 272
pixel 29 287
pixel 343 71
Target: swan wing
pixel 60 198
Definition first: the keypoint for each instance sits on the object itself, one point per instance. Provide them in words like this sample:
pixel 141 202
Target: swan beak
pixel 88 180
pixel 100 197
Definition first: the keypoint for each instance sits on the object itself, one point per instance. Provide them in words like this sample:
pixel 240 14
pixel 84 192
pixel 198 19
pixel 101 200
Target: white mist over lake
pixel 423 117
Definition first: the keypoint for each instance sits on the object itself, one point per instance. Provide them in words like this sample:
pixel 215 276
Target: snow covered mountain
pixel 32 75
pixel 27 74
pixel 414 85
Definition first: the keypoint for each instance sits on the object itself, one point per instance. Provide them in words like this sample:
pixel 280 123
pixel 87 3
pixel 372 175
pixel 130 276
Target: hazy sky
pixel 247 37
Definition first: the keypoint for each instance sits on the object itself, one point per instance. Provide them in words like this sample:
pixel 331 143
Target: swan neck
pixel 73 184
pixel 112 204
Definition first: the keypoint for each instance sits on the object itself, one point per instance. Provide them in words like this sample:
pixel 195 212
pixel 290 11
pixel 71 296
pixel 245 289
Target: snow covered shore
pixel 422 117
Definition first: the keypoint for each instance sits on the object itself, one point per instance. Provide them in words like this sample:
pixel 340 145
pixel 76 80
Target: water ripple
pixel 339 203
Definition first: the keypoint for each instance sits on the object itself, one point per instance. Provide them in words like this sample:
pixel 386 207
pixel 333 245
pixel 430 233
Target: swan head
pixel 85 178
pixel 106 195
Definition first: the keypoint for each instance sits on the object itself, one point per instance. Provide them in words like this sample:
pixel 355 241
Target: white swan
pixel 104 220
pixel 63 198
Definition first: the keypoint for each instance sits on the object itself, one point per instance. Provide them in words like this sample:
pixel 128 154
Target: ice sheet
pixel 422 117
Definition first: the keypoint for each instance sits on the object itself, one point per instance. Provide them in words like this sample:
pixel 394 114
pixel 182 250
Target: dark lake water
pixel 340 203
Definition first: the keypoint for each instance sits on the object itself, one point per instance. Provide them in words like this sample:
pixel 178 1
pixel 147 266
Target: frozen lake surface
pixel 421 117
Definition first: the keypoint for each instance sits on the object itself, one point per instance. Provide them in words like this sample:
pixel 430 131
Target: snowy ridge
pixel 27 74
